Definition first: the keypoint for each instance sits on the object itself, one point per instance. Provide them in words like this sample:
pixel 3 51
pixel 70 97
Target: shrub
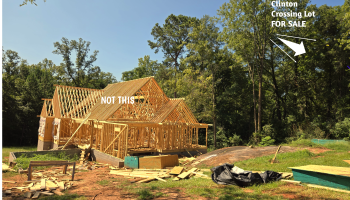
pixel 235 140
pixel 267 141
pixel 342 129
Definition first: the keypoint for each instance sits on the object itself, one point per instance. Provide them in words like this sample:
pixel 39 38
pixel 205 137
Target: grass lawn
pixel 7 150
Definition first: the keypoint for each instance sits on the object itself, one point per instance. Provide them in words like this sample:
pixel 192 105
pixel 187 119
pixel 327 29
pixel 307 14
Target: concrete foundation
pixel 42 145
pixel 101 157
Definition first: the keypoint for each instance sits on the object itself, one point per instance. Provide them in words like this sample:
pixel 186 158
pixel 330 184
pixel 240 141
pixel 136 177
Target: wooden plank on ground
pixel 9 181
pixel 186 174
pixel 134 180
pixel 61 185
pixel 47 193
pixel 290 181
pixel 51 184
pixel 328 188
pixel 43 184
pixel 176 170
pixel 36 195
pixel 348 161
pixel 147 180
pixel 160 179
pixel 274 158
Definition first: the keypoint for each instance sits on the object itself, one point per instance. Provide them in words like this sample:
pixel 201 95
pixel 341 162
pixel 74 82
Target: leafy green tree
pixel 206 61
pixel 171 39
pixel 252 19
pixel 80 72
pixel 146 68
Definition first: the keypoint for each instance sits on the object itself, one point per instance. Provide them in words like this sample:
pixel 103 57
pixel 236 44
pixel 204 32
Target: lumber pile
pixel 148 175
pixel 46 186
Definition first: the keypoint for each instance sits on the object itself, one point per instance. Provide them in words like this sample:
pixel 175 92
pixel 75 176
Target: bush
pixel 342 129
pixel 267 141
pixel 235 140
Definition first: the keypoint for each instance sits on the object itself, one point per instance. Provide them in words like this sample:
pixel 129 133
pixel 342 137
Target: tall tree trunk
pixel 251 70
pixel 175 77
pixel 278 107
pixel 214 113
pixel 260 99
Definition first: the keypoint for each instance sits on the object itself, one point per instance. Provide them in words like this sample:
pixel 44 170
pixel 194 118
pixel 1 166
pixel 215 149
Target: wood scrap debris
pixel 148 175
pixel 6 168
pixel 42 187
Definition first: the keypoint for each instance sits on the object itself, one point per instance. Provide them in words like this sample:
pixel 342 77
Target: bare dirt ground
pixel 239 153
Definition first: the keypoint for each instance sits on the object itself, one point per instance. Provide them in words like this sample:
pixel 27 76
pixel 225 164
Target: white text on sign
pixel 121 100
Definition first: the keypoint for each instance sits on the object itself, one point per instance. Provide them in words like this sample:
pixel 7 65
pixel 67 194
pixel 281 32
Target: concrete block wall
pixel 42 146
pixel 101 157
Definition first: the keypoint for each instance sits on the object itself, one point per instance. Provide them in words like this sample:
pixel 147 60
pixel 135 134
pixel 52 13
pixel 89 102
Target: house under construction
pixel 129 117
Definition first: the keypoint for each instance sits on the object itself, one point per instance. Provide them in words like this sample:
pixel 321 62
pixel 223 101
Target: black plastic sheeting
pixel 224 176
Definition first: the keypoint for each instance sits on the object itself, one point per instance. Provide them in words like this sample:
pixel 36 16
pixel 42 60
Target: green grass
pixel 302 143
pixel 23 161
pixel 104 182
pixel 196 187
pixel 64 197
pixel 339 146
pixel 6 150
pixel 145 194
pixel 293 159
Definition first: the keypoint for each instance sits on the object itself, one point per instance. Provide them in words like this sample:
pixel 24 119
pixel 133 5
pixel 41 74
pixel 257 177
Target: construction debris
pixel 50 182
pixel 6 168
pixel 148 175
pixel 45 186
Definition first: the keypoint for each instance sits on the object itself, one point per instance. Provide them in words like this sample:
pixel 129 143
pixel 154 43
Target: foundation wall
pixel 101 157
pixel 70 152
pixel 42 145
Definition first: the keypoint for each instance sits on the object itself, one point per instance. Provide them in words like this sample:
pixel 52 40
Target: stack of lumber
pixel 148 175
pixel 44 186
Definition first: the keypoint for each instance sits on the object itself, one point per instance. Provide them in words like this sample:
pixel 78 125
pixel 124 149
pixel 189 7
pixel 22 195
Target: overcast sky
pixel 119 29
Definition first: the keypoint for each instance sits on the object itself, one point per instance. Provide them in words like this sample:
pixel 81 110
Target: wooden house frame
pixel 153 123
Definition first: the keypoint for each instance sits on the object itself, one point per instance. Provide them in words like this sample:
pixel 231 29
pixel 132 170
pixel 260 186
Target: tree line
pixel 226 67
pixel 24 85
pixel 234 77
